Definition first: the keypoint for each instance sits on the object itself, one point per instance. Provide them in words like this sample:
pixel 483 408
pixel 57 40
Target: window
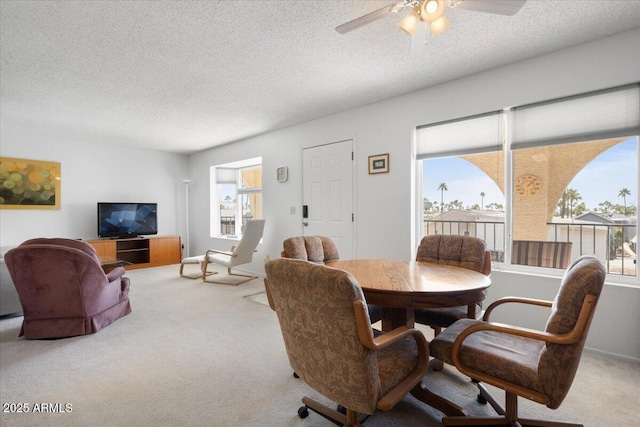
pixel 461 197
pixel 572 159
pixel 571 172
pixel 570 197
pixel 236 196
pixel 462 179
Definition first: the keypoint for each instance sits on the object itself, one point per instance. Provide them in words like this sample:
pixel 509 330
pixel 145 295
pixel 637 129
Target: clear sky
pixel 600 180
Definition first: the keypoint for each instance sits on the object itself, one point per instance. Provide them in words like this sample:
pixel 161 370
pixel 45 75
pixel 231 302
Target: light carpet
pixel 200 354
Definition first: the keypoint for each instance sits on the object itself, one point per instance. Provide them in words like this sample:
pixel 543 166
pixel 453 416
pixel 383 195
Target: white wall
pixel 93 173
pixel 384 216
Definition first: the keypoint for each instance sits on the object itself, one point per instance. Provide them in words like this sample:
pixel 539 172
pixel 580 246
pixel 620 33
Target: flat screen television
pixel 127 219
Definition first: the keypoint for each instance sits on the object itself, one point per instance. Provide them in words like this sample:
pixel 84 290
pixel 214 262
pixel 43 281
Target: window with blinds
pixel 468 135
pixel 236 196
pixel 572 167
pixel 575 180
pixel 612 113
pixel 462 165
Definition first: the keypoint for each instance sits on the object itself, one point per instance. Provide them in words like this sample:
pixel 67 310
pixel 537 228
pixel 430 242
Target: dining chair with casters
pixel 327 332
pixel 320 250
pixel 537 365
pixel 461 251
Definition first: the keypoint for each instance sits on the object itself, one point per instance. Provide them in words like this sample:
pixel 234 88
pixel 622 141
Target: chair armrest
pixel 215 251
pixel 116 273
pixel 530 301
pixel 365 333
pixel 388 338
pixel 578 331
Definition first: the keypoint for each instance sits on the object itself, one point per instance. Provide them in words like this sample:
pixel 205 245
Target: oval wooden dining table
pixel 400 287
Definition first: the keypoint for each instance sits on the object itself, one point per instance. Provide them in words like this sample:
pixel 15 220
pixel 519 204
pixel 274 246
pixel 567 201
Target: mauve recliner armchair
pixel 63 289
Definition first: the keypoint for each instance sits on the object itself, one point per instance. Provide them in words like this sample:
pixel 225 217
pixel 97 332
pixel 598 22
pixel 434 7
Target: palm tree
pixel 482 201
pixel 563 203
pixel 624 193
pixel 560 208
pixel 573 196
pixel 605 207
pixel 456 204
pixel 442 188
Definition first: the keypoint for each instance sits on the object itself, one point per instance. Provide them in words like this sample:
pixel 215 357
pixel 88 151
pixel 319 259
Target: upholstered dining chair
pixel 330 344
pixel 321 250
pixel 537 365
pixel 462 251
pixel 318 249
pixel 63 289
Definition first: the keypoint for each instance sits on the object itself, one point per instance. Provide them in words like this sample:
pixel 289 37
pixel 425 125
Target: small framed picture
pixel 379 163
pixel 281 174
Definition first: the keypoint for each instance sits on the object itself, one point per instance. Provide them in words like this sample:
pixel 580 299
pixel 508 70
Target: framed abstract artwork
pixel 29 184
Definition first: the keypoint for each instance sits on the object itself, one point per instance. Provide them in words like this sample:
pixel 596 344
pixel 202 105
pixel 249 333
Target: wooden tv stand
pixel 141 252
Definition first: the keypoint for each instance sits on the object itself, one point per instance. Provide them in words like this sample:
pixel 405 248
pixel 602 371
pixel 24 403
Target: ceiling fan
pixel 431 12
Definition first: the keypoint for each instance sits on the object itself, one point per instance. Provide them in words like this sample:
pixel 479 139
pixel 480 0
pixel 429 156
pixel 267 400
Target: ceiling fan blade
pixel 418 44
pixel 499 7
pixel 368 18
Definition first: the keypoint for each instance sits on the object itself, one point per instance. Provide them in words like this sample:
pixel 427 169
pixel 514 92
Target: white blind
pixel 249 190
pixel 226 176
pixel 611 113
pixel 476 134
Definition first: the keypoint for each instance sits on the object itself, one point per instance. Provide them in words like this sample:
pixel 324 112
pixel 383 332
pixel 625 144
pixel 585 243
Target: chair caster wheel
pixel 303 412
pixel 341 409
pixel 481 400
pixel 295 375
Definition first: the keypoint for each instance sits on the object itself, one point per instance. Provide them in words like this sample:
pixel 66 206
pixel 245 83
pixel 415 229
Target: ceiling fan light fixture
pixel 439 25
pixel 409 22
pixel 431 10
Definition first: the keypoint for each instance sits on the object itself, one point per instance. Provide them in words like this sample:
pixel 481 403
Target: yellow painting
pixel 29 184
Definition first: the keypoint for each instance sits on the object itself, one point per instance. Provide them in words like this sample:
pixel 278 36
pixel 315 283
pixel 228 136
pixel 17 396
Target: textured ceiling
pixel 185 76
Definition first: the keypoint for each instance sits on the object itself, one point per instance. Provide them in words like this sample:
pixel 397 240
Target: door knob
pixel 304 223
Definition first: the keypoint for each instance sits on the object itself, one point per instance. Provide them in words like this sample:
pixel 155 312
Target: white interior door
pixel 327 193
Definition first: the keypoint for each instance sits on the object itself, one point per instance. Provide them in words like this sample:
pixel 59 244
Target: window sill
pixel 610 280
pixel 228 238
pixel 233 239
